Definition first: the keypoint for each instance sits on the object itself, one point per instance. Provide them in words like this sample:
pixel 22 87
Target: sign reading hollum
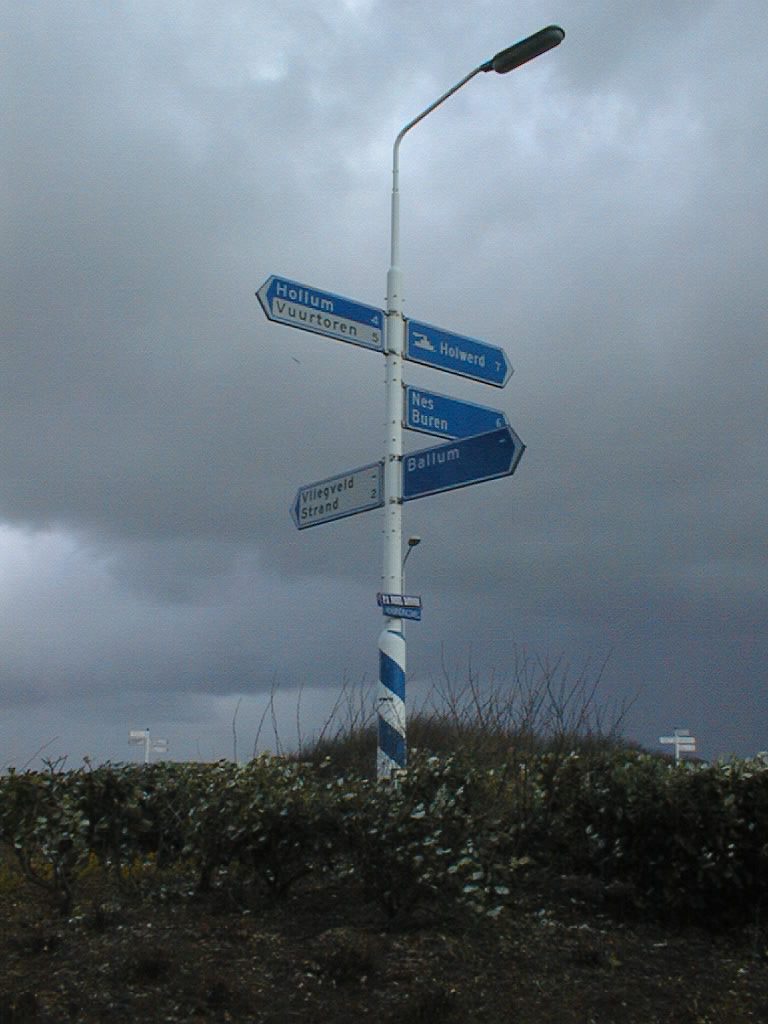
pixel 310 309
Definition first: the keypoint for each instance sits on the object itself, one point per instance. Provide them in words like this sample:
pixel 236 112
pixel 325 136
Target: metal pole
pixel 391 696
pixel 392 746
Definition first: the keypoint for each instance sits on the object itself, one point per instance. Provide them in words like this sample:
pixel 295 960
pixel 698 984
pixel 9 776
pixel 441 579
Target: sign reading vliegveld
pixel 298 305
pixel 430 413
pixel 444 350
pixel 344 495
pixel 470 460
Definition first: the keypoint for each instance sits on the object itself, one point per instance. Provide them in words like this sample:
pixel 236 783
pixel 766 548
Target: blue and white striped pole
pixel 392 746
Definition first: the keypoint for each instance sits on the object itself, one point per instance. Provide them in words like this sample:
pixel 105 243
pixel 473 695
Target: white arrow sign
pixel 682 741
pixel 344 495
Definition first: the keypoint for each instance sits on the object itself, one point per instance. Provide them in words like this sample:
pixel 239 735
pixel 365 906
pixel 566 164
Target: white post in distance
pixel 392 746
pixel 682 741
pixel 141 737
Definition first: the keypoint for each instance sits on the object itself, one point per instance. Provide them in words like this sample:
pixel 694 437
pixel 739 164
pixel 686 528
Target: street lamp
pixel 520 53
pixel 412 543
pixel 391 695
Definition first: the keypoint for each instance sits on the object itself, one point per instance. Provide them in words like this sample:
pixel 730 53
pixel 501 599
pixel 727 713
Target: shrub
pixel 689 839
pixel 43 822
pixel 270 820
pixel 429 839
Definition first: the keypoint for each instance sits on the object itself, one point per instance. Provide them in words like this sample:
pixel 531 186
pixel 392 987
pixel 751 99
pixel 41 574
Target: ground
pixel 565 952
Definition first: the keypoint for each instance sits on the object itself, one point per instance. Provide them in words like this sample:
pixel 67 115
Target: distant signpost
pixel 141 737
pixel 682 741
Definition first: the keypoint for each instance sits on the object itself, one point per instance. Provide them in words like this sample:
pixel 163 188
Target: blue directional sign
pixel 470 460
pixel 344 495
pixel 430 413
pixel 400 606
pixel 298 305
pixel 444 350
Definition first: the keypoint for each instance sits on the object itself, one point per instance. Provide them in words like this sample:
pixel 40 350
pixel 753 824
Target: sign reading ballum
pixel 444 350
pixel 298 305
pixel 344 495
pixel 470 460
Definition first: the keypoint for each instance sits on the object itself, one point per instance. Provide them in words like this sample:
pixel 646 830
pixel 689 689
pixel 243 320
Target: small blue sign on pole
pixel 468 357
pixel 400 606
pixel 442 416
pixel 309 309
pixel 469 460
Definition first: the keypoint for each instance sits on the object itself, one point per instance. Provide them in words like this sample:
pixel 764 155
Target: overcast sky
pixel 599 213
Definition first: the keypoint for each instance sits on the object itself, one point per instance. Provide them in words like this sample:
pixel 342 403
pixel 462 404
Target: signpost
pixel 444 350
pixel 338 496
pixel 682 741
pixel 469 460
pixel 480 448
pixel 309 309
pixel 431 413
pixel 141 737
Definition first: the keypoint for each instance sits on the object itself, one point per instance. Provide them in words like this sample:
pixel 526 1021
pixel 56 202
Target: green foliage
pixel 539 706
pixel 689 841
pixel 269 822
pixel 428 839
pixel 43 821
pixel 689 838
pixel 349 752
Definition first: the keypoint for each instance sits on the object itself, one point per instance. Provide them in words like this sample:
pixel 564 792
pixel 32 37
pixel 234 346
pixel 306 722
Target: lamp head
pixel 520 53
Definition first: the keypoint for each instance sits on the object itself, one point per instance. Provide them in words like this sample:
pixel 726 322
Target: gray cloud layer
pixel 599 213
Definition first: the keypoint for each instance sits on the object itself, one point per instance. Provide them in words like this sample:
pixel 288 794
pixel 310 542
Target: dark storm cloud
pixel 598 213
